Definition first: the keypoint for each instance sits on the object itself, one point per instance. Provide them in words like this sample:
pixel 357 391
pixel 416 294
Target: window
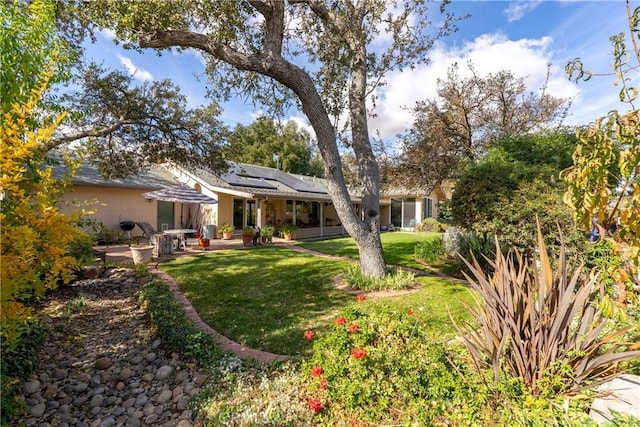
pixel 238 213
pixel 396 212
pixel 409 212
pixel 427 208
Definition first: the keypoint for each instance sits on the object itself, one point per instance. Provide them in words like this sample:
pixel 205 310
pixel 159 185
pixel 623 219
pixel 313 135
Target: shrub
pixel 431 250
pixel 384 370
pixel 35 235
pixel 430 225
pixel 379 367
pixel 173 326
pixel 542 325
pixel 17 364
pixel 616 273
pixel 81 249
pixel 395 279
pixel 455 240
pixel 463 244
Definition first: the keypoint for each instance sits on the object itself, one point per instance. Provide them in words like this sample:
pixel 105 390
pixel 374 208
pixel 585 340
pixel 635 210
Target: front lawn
pixel 266 297
pixel 398 247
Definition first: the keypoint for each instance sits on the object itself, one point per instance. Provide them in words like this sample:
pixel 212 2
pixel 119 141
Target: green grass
pixel 266 297
pixel 398 247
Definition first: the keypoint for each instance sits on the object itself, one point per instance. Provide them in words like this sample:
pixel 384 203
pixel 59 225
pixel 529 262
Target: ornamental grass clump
pixel 431 250
pixel 543 325
pixel 396 279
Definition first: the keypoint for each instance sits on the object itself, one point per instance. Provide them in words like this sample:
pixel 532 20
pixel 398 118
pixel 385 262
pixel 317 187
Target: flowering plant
pixel 364 347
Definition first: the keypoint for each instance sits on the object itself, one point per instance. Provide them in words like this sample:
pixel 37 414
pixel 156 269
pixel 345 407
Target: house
pixel 247 195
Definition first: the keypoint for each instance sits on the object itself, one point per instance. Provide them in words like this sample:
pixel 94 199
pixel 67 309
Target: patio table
pixel 179 233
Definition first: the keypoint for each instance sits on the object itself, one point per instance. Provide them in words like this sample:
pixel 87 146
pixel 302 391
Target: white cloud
pixel 107 33
pixel 489 53
pixel 516 10
pixel 136 72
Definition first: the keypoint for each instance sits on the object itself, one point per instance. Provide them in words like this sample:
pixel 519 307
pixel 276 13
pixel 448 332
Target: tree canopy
pixel 122 127
pixel 466 118
pixel 317 55
pixel 269 143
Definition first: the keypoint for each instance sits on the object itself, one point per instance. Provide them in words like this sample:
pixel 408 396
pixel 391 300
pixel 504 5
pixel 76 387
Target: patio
pixel 122 252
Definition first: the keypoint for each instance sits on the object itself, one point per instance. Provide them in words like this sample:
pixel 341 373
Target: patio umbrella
pixel 180 195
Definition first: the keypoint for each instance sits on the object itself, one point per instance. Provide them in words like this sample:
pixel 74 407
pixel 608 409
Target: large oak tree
pixel 315 53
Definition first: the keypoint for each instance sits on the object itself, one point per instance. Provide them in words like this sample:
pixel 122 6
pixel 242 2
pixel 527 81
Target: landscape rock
pixel 115 372
pixel 620 394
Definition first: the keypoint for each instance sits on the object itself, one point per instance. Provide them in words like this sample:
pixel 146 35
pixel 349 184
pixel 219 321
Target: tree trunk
pixel 270 62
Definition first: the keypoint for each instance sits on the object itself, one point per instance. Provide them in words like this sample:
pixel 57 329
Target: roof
pixel 264 181
pixel 88 175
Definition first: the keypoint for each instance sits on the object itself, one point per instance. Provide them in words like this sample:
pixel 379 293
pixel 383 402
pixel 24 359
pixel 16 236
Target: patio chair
pixel 148 230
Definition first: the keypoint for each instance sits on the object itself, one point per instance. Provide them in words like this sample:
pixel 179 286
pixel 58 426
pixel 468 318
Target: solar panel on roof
pixel 242 181
pixel 297 184
pixel 256 176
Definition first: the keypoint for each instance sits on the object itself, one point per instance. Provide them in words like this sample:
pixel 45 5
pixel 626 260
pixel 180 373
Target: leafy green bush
pixel 81 249
pixel 378 367
pixel 396 279
pixel 17 364
pixel 174 327
pixel 543 325
pixel 431 250
pixel 430 225
pixel 465 245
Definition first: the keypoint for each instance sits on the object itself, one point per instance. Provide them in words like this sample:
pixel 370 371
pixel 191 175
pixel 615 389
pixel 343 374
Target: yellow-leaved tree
pixel 605 177
pixel 34 235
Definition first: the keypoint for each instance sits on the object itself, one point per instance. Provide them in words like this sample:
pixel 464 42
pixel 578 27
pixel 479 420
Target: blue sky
pixel 521 36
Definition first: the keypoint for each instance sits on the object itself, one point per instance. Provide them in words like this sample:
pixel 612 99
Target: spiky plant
pixel 542 325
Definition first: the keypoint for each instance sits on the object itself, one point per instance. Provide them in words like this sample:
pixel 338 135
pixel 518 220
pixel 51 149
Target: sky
pixel 520 36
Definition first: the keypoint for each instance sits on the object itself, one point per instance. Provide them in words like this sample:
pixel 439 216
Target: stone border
pixel 259 355
pixel 224 342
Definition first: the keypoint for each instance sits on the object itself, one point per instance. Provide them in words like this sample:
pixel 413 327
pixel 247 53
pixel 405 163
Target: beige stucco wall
pixel 225 209
pixel 114 205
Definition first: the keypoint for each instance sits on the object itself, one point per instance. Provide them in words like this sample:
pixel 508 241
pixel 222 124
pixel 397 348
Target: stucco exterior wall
pixel 225 209
pixel 114 205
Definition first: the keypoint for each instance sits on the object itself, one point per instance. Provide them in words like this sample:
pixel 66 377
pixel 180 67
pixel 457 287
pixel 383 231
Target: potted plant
pixel 203 242
pixel 267 234
pixel 226 230
pixel 247 235
pixel 287 230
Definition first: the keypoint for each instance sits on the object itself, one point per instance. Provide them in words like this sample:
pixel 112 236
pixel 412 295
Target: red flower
pixel 315 405
pixel 323 383
pixel 361 297
pixel 309 335
pixel 353 422
pixel 410 312
pixel 353 328
pixel 316 371
pixel 358 353
pixel 341 321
